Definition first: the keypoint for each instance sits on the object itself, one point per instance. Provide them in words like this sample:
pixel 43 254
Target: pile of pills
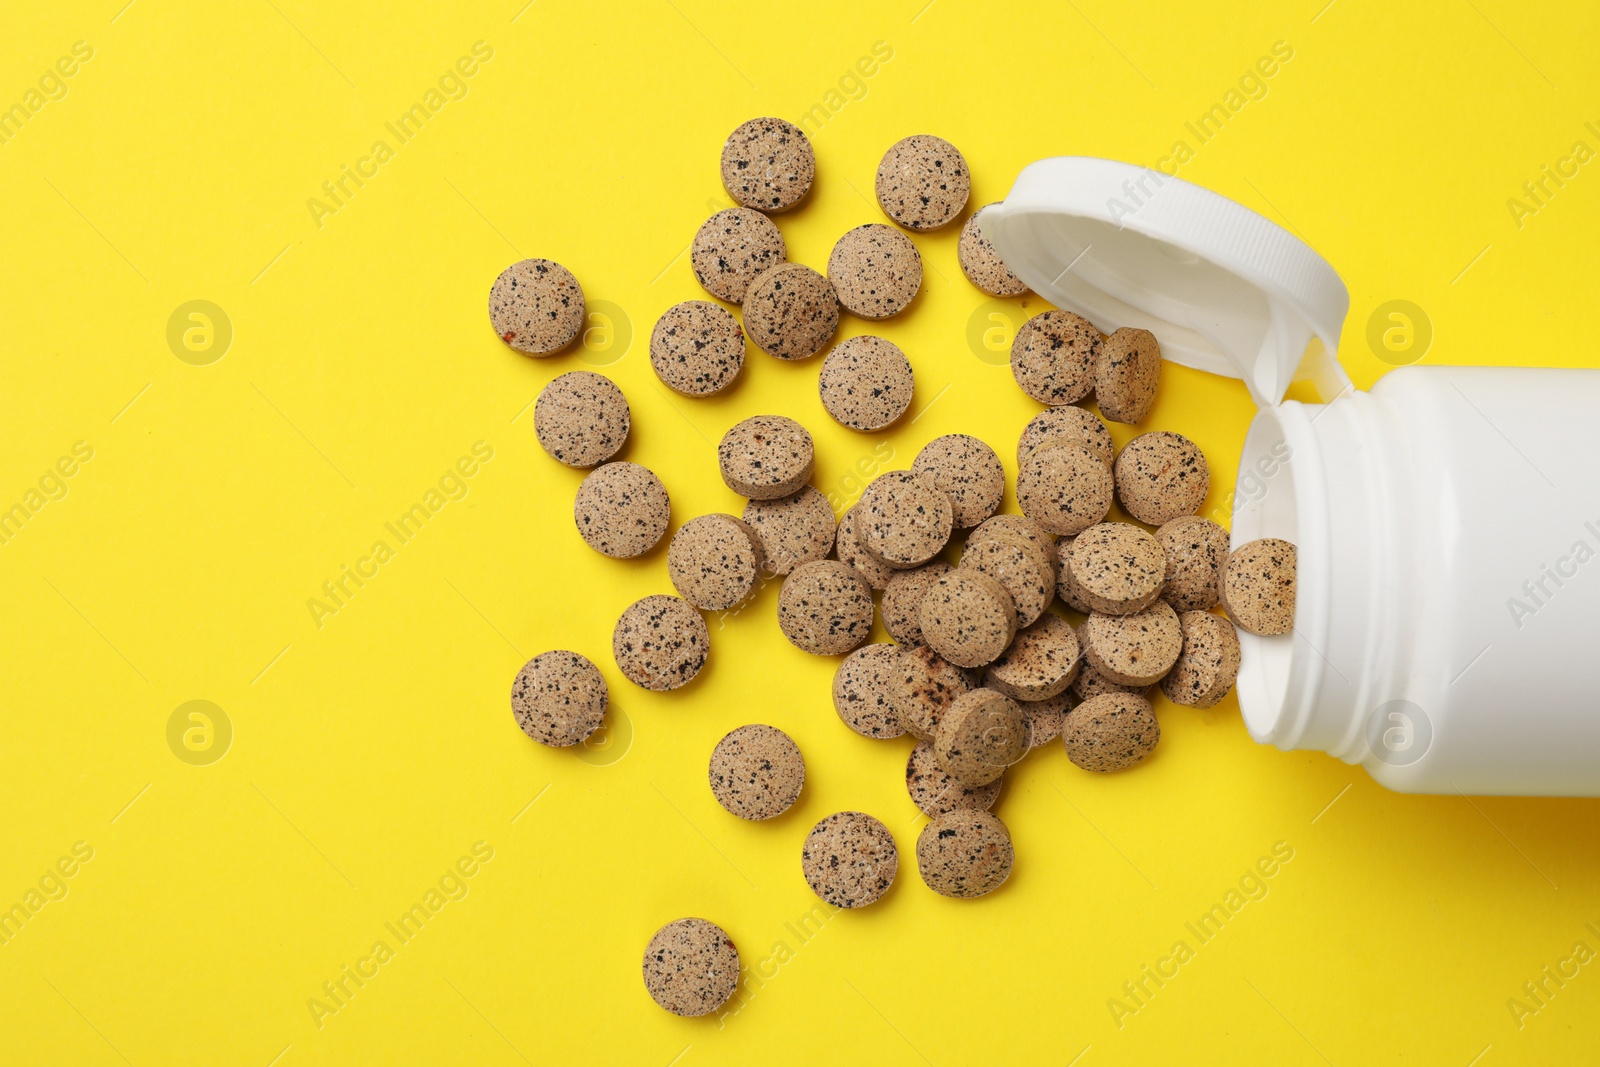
pixel 982 668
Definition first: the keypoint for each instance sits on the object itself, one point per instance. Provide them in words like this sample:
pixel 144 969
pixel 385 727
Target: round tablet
pixel 790 311
pixel 1054 359
pixel 691 967
pixel 697 348
pixel 1209 663
pixel 904 519
pixel 1110 732
pixel 1019 568
pixel 1127 374
pixel 1117 568
pixel 922 182
pixel 935 793
pixel 622 509
pixel 825 608
pixel 969 471
pixel 793 529
pixel 1064 489
pixel 581 418
pixel 866 383
pixel 1196 549
pixel 1044 717
pixel 875 270
pixel 660 643
pixel 1135 649
pixel 968 618
pixel 849 859
pixel 731 248
pixel 757 772
pixel 1041 662
pixel 981 263
pixel 864 688
pixel 929 684
pixel 1258 586
pixel 965 854
pixel 1160 476
pixel 979 736
pixel 1091 683
pixel 1068 424
pixel 901 605
pixel 1018 528
pixel 768 164
pixel 714 562
pixel 766 457
pixel 848 547
pixel 559 698
pixel 536 306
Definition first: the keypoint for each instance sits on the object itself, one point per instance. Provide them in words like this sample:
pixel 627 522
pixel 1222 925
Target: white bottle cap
pixel 1222 288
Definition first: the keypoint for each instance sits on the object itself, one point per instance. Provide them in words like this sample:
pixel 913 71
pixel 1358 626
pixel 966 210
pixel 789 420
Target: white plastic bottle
pixel 1447 625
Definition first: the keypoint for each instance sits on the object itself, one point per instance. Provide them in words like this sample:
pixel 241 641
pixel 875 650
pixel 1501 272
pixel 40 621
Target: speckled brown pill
pixel 1069 424
pixel 697 348
pixel 965 854
pixel 935 793
pixel 691 967
pixel 714 562
pixel 1135 649
pixel 928 685
pixel 1019 569
pixel 559 698
pixel 1209 663
pixel 903 519
pixel 1127 374
pixel 660 643
pixel 1054 359
pixel 622 509
pixel 768 164
pixel 1110 732
pixel 969 471
pixel 875 270
pixel 790 311
pixel 825 608
pixel 1066 586
pixel 1160 476
pixel 1117 568
pixel 793 529
pixel 979 736
pixel 581 418
pixel 847 545
pixel 849 859
pixel 864 688
pixel 1196 549
pixel 968 618
pixel 1064 489
pixel 866 383
pixel 923 182
pixel 766 457
pixel 981 263
pixel 1090 683
pixel 536 306
pixel 1258 586
pixel 1041 662
pixel 731 248
pixel 757 772
pixel 1018 528
pixel 901 605
pixel 1043 718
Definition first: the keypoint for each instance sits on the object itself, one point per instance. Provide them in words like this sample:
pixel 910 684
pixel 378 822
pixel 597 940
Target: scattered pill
pixel 731 248
pixel 935 793
pixel 1068 424
pixel 979 736
pixel 697 348
pixel 969 471
pixel 849 859
pixel 1127 374
pixel 1021 570
pixel 922 182
pixel 622 509
pixel 965 854
pixel 866 383
pixel 1209 663
pixel 929 684
pixel 968 618
pixel 536 306
pixel 875 270
pixel 559 698
pixel 691 967
pixel 1054 359
pixel 1018 527
pixel 1110 732
pixel 581 419
pixel 793 529
pixel 981 263
pixel 757 772
pixel 1065 489
pixel 1258 586
pixel 1136 649
pixel 660 643
pixel 1196 549
pixel 1040 663
pixel 864 689
pixel 768 164
pixel 1117 568
pixel 1160 476
pixel 766 457
pixel 790 311
pixel 714 562
pixel 825 608
pixel 904 519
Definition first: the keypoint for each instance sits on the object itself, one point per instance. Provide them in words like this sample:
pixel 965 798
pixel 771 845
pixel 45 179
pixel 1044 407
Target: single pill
pixel 1018 528
pixel 1066 584
pixel 1209 663
pixel 1160 476
pixel 697 348
pixel 904 519
pixel 790 311
pixel 757 772
pixel 929 684
pixel 731 248
pixel 875 270
pixel 1258 586
pixel 1041 662
pixel 969 471
pixel 660 643
pixel 864 688
pixel 536 306
pixel 965 854
pixel 559 698
pixel 691 967
pixel 714 562
pixel 1117 568
pixel 968 618
pixel 866 383
pixel 981 263
pixel 935 793
pixel 825 608
pixel 1044 717
pixel 1054 359
pixel 847 544
pixel 922 182
pixel 1196 549
pixel 1137 649
pixel 766 457
pixel 1126 376
pixel 901 605
pixel 979 736
pixel 1019 568
pixel 849 859
pixel 622 509
pixel 1068 424
pixel 1090 683
pixel 581 419
pixel 793 529
pixel 1064 489
pixel 1110 732
pixel 768 164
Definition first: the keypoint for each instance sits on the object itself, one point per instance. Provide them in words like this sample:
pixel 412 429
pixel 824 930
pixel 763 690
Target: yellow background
pixel 371 753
